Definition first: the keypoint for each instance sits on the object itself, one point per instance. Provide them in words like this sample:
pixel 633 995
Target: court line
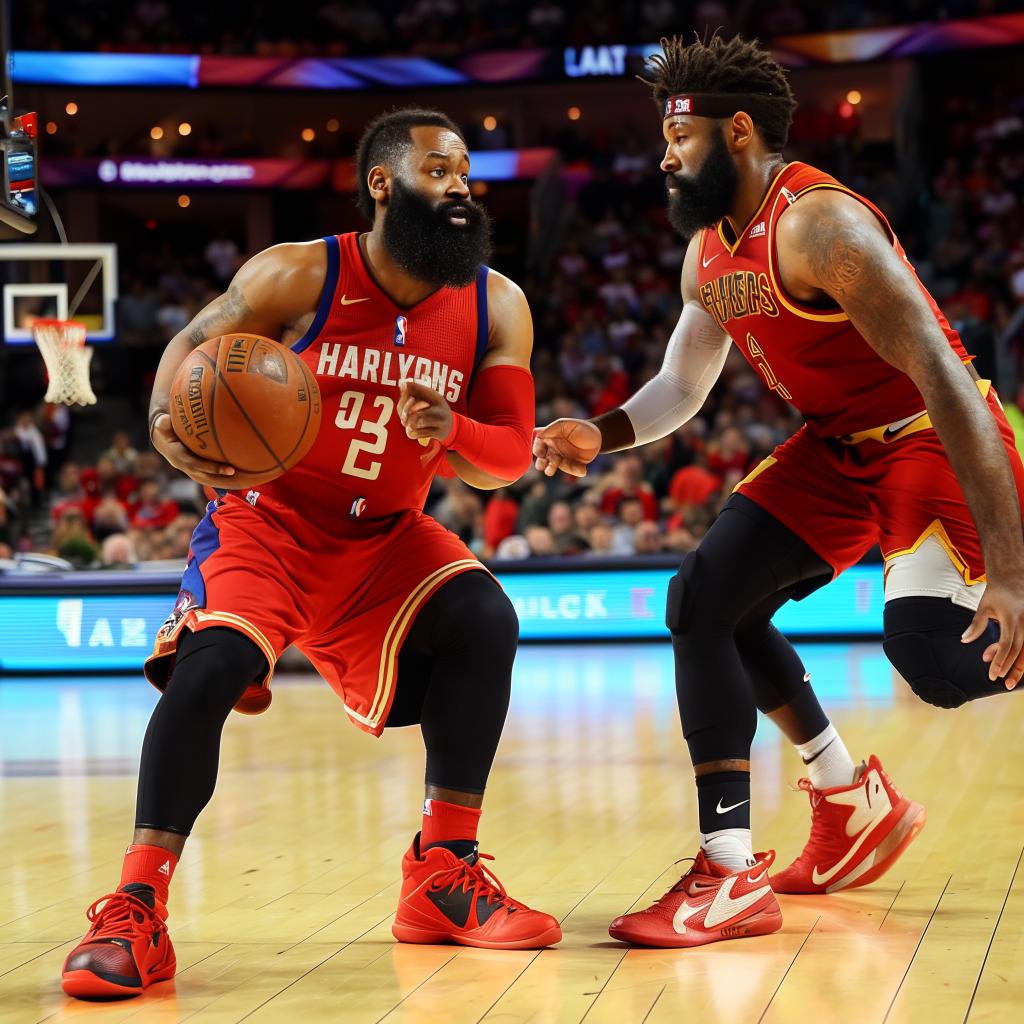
pixel 654 1004
pixel 785 973
pixel 893 904
pixel 992 937
pixel 935 910
pixel 419 986
pixel 597 995
pixel 36 957
pixel 504 992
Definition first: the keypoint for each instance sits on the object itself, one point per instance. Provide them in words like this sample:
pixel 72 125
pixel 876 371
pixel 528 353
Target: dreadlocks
pixel 713 65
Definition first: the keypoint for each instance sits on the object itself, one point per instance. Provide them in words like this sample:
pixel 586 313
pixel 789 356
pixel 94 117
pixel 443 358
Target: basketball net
pixel 67 358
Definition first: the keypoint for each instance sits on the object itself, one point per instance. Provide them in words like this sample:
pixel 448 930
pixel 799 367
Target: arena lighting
pixel 854 97
pixel 71 109
pixel 308 135
pixel 184 202
pixel 184 128
pixel 51 127
pixel 156 132
pixel 574 113
pixel 333 124
pixel 490 123
pixel 845 109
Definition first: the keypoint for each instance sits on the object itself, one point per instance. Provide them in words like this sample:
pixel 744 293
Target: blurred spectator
pixel 628 482
pixel 154 512
pixel 121 453
pixel 118 552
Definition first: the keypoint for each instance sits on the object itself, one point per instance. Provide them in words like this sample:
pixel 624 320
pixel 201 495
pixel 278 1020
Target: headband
pixel 710 104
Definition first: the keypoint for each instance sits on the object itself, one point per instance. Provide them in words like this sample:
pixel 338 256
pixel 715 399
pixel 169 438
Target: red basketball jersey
pixel 811 356
pixel 360 346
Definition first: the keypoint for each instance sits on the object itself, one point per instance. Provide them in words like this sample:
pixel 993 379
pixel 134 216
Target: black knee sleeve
pixel 178 769
pixel 922 641
pixel 455 679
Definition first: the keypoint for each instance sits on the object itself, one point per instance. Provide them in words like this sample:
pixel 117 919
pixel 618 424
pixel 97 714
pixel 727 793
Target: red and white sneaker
pixel 126 950
pixel 857 833
pixel 708 904
pixel 447 898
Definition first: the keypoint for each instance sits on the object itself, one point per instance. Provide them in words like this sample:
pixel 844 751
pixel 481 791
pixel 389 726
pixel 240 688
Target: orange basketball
pixel 247 401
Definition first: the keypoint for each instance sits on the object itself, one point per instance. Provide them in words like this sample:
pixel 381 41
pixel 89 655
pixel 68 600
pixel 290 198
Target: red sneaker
pixel 448 898
pixel 126 950
pixel 708 904
pixel 857 833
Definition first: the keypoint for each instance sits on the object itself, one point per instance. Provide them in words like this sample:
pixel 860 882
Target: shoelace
pixel 465 876
pixel 680 886
pixel 110 913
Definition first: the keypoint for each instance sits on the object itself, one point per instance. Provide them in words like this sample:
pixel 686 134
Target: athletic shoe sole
pixel 426 936
pixel 760 924
pixel 87 985
pixel 886 853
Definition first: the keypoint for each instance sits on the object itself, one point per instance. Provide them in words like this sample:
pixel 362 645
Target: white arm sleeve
pixel 693 360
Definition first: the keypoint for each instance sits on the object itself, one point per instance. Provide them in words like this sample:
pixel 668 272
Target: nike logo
pixel 722 908
pixel 725 810
pixel 864 819
pixel 895 428
pixel 707 263
pixel 345 301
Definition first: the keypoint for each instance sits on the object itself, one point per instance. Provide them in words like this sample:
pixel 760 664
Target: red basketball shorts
pixel 346 600
pixel 892 486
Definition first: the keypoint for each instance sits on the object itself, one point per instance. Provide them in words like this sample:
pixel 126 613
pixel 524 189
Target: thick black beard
pixel 424 243
pixel 705 199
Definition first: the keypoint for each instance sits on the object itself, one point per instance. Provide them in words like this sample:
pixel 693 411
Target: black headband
pixel 710 104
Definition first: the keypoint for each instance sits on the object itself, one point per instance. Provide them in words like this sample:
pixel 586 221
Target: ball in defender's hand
pixel 247 401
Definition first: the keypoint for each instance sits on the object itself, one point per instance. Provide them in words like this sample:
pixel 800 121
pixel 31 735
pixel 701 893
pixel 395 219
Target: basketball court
pixel 590 804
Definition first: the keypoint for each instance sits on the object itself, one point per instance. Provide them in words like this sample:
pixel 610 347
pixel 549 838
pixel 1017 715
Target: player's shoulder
pixel 822 214
pixel 504 296
pixel 296 264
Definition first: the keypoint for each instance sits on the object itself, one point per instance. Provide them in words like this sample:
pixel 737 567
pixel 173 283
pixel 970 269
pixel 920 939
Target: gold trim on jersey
pixel 731 249
pixel 889 432
pixel 938 531
pixel 756 471
pixel 394 635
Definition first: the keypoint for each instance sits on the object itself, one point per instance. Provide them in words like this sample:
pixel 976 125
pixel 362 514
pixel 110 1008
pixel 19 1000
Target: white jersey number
pixel 348 415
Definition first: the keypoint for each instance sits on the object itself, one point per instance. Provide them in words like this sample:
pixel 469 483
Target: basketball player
pixel 903 446
pixel 422 356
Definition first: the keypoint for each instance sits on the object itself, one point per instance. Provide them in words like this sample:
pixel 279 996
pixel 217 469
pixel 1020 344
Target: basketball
pixel 247 401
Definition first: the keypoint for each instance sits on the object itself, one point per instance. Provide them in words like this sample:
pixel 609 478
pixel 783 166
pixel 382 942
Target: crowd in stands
pixel 440 29
pixel 603 285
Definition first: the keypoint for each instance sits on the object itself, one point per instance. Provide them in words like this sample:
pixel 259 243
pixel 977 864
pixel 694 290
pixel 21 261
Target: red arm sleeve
pixel 497 435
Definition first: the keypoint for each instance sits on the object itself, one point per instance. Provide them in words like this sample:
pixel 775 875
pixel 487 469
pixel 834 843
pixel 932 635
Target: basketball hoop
pixel 67 358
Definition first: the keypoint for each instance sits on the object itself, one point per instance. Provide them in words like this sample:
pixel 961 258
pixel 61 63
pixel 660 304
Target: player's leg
pixel 781 684
pixel 127 947
pixel 454 679
pixel 745 560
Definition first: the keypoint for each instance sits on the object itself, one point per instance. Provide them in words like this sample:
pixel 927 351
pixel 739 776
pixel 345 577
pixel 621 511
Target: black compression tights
pixel 454 678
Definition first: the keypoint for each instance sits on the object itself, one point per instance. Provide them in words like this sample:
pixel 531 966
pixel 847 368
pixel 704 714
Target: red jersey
pixel 360 346
pixel 810 356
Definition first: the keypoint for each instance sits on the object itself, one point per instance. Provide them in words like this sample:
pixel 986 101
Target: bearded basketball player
pixel 903 446
pixel 422 355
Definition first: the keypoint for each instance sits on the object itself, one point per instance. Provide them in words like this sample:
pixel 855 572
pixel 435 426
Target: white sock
pixel 730 847
pixel 828 761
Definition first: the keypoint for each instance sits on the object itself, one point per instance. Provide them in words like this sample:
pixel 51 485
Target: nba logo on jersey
pixel 401 328
pixel 357 509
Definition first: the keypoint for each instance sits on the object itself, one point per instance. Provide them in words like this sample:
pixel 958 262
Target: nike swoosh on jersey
pixel 725 810
pixel 707 263
pixel 345 301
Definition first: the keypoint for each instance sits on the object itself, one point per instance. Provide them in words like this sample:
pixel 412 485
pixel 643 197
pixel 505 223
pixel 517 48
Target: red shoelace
pixel 117 912
pixel 465 876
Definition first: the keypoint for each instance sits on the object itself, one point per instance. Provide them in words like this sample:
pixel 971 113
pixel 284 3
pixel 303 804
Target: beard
pixel 707 197
pixel 422 240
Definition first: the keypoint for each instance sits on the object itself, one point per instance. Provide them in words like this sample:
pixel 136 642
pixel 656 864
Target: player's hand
pixel 567 445
pixel 203 471
pixel 1004 602
pixel 424 413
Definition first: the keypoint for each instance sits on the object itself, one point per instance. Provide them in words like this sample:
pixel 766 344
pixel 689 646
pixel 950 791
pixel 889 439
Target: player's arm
pixel 832 244
pixel 267 295
pixel 490 446
pixel 693 361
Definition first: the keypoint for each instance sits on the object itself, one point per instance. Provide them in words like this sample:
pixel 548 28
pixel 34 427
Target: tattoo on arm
pixel 231 308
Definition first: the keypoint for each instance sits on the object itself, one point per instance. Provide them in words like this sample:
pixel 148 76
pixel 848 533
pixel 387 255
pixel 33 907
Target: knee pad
pixel 914 655
pixel 922 640
pixel 681 590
